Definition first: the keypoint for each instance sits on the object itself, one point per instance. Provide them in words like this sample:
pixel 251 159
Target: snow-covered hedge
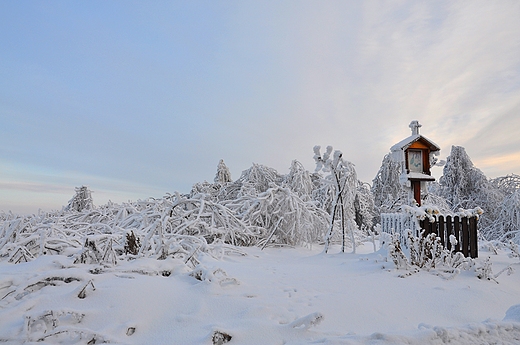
pixel 260 208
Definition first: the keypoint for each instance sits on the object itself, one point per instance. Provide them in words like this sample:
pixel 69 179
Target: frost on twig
pixel 132 243
pixel 86 289
pixel 21 255
pixel 38 285
pixel 94 253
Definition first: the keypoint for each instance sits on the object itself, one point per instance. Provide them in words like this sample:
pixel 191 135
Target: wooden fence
pixel 400 223
pixel 463 228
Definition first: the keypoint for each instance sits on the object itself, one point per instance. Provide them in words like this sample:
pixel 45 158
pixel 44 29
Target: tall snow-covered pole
pixel 344 185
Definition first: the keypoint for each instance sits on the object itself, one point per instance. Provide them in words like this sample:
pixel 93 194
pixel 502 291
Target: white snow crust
pixel 271 296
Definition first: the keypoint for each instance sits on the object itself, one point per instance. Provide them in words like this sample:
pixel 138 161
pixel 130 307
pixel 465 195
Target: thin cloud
pixel 34 187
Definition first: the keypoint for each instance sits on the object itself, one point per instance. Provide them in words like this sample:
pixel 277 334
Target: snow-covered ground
pixel 252 296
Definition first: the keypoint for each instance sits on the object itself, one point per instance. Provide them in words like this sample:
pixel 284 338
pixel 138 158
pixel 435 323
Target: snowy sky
pixel 136 99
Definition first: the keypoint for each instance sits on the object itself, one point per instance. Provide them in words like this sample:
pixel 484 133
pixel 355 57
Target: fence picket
pixel 456 221
pixel 449 232
pixel 473 241
pixel 465 236
pixel 440 222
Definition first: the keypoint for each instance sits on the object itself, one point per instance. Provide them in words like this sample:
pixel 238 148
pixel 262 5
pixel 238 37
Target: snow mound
pixel 513 313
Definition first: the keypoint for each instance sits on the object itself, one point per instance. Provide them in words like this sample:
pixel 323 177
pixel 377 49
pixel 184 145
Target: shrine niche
pixel 416 155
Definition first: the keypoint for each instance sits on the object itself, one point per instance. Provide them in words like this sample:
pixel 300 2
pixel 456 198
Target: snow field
pixel 274 296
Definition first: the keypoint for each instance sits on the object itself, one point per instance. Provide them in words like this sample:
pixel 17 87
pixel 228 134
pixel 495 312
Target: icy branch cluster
pixel 174 226
pixel 261 208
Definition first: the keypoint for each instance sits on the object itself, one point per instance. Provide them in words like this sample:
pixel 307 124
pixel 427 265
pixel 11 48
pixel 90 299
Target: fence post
pixel 473 240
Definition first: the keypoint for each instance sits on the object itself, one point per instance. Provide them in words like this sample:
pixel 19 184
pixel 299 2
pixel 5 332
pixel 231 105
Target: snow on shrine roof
pixel 419 176
pixel 405 143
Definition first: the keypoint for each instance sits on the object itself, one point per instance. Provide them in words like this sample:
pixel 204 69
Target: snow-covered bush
pixel 392 244
pixel 97 250
pixel 211 190
pixel 218 190
pixel 207 220
pixel 257 179
pixel 174 226
pixel 506 225
pixel 426 252
pixel 260 177
pixel 299 181
pixel 282 215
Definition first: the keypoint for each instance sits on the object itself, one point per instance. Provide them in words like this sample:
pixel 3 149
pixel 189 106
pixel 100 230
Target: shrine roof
pixel 405 143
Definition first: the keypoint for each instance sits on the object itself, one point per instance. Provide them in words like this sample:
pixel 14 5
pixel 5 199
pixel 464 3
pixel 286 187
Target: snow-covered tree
pixel 388 193
pixel 223 175
pixel 507 222
pixel 507 184
pixel 462 184
pixel 217 190
pixel 433 198
pixel 465 186
pixel 81 201
pixel 365 212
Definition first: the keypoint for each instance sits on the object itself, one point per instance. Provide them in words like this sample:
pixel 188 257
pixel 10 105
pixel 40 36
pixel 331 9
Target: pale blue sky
pixel 140 98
